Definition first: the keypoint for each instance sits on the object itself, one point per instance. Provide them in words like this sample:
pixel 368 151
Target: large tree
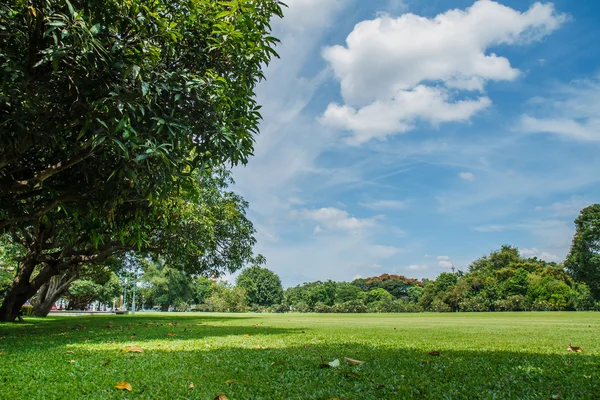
pixel 106 107
pixel 583 261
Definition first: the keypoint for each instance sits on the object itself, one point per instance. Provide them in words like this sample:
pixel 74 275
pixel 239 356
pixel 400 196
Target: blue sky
pixel 405 136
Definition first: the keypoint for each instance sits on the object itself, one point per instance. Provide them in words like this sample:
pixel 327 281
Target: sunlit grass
pixel 501 355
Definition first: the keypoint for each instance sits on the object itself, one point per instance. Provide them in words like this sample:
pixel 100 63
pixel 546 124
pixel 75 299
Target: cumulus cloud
pixel 467 176
pixel 387 65
pixel 445 264
pixel 335 219
pixel 443 258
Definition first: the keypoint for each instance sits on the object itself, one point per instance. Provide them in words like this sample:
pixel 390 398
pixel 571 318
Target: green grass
pixel 482 356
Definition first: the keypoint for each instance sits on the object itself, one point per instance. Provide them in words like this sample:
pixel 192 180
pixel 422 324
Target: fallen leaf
pixel 221 397
pixel 72 361
pixel 353 362
pixel 170 334
pixel 335 363
pixel 258 346
pixel 69 352
pixel 576 349
pixel 107 363
pixel 230 382
pixel 1 353
pixel 247 334
pixel 133 349
pixel 132 337
pixel 191 385
pixel 124 386
pixel 434 353
pixel 425 362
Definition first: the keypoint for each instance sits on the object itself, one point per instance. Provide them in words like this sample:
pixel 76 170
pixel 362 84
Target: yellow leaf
pixel 353 362
pixel 32 11
pixel 221 397
pixel 133 349
pixel 170 334
pixel 191 386
pixel 124 386
pixel 70 352
pixel 72 361
pixel 230 382
pixel 247 334
pixel 1 353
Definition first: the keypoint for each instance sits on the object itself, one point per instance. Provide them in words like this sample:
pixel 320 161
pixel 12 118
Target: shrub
pixel 279 308
pixel 301 307
pixel 321 307
pixel 439 306
pixel 474 304
pixel 351 306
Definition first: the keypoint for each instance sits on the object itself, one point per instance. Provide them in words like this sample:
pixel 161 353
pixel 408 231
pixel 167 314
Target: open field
pixel 500 355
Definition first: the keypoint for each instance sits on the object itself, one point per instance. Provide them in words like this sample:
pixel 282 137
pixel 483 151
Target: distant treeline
pixel 501 281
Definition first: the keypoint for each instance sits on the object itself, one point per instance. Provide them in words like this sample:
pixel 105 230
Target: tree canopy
pixel 583 261
pixel 262 286
pixel 106 110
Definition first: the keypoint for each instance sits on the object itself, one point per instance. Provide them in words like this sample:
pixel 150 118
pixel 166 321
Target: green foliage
pixel 225 298
pixel 583 261
pixel 397 285
pixel 103 287
pixel 202 289
pixel 262 286
pixel 166 286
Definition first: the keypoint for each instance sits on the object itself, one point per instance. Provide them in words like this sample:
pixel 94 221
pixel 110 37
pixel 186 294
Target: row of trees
pixel 500 281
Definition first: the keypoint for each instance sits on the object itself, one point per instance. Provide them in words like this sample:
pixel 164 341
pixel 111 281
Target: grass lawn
pixel 482 356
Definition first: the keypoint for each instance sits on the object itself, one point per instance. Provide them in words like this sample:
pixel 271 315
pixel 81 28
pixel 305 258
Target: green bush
pixel 352 306
pixel 279 308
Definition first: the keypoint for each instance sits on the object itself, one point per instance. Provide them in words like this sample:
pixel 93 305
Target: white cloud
pixel 385 204
pixel 572 113
pixel 542 255
pixel 467 176
pixel 399 114
pixel 303 15
pixel 445 264
pixel 335 219
pixel 442 258
pixel 387 63
pixel 416 267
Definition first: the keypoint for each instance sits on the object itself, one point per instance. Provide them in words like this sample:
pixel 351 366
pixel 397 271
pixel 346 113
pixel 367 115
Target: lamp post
pixel 133 299
pixel 125 296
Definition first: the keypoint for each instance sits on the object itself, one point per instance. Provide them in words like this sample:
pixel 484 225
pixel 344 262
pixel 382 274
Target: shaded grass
pixel 482 356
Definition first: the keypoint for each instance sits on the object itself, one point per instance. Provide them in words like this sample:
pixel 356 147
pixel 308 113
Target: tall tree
pixel 583 261
pixel 110 105
pixel 262 286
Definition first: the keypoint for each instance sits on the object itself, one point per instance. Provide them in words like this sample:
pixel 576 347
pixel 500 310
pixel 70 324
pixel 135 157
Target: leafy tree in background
pixel 583 261
pixel 225 298
pixel 202 289
pixel 85 291
pixel 262 286
pixel 106 108
pixel 397 285
pixel 166 286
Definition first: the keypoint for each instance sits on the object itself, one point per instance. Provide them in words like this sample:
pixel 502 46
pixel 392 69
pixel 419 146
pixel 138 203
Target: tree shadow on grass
pixel 281 364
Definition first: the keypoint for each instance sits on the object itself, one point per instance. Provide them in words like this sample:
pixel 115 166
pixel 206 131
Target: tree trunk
pixel 20 292
pixel 51 291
